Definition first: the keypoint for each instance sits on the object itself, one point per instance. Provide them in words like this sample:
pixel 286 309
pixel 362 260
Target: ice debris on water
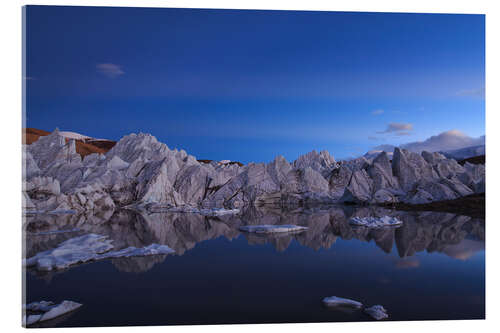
pixel 88 248
pixel 378 312
pixel 267 228
pixel 44 310
pixel 340 301
pixel 194 210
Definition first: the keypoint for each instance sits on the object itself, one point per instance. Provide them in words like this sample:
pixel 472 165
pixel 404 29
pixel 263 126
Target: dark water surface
pixel 433 267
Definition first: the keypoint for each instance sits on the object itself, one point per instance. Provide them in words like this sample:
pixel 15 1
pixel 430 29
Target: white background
pixel 10 152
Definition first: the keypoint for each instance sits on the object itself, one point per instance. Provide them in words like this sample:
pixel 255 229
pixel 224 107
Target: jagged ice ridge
pixel 143 173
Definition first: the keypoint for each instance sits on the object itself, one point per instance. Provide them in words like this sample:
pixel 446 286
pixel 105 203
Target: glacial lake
pixel 430 268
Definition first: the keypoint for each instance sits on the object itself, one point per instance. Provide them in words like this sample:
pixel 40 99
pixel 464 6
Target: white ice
pixel 48 310
pixel 88 248
pixel 378 312
pixel 194 210
pixel 267 228
pixel 339 301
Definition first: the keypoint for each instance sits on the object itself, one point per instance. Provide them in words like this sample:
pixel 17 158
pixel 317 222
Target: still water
pixel 433 267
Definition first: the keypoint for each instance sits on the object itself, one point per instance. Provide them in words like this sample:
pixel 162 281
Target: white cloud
pixel 110 70
pixel 377 112
pixel 398 128
pixel 449 140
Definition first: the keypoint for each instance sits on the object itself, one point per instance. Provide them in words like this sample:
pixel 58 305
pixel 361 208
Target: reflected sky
pixel 430 268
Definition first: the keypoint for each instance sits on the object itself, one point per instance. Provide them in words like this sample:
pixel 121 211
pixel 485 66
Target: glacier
pixel 141 172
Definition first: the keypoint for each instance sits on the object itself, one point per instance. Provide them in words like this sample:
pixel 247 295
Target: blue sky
pixel 248 85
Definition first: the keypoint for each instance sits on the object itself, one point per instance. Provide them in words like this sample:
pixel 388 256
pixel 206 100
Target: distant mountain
pixel 85 145
pixel 457 154
pixel 374 153
pixel 467 152
pixel 453 143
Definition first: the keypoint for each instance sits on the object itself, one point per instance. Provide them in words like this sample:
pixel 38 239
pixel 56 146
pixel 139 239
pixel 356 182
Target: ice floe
pixel 88 248
pixel 378 312
pixel 194 210
pixel 44 310
pixel 376 222
pixel 340 301
pixel 267 228
pixel 42 306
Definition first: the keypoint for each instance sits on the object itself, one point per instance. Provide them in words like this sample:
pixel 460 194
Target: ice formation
pixel 88 248
pixel 139 171
pixel 339 301
pixel 43 310
pixel 269 229
pixel 377 312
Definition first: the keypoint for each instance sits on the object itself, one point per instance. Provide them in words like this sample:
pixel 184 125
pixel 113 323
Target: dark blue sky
pixel 247 85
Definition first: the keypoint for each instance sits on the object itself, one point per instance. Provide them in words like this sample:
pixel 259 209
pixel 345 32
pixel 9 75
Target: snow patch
pixel 74 135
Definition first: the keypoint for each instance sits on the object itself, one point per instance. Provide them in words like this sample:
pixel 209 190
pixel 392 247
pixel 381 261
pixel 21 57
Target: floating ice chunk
pixel 60 309
pixel 31 319
pixel 194 210
pixel 376 222
pixel 42 306
pixel 339 301
pixel 88 248
pixel 219 212
pixel 378 312
pixel 267 228
pixel 47 310
pixel 75 250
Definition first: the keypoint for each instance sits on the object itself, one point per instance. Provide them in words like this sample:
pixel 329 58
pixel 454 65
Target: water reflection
pixel 453 235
